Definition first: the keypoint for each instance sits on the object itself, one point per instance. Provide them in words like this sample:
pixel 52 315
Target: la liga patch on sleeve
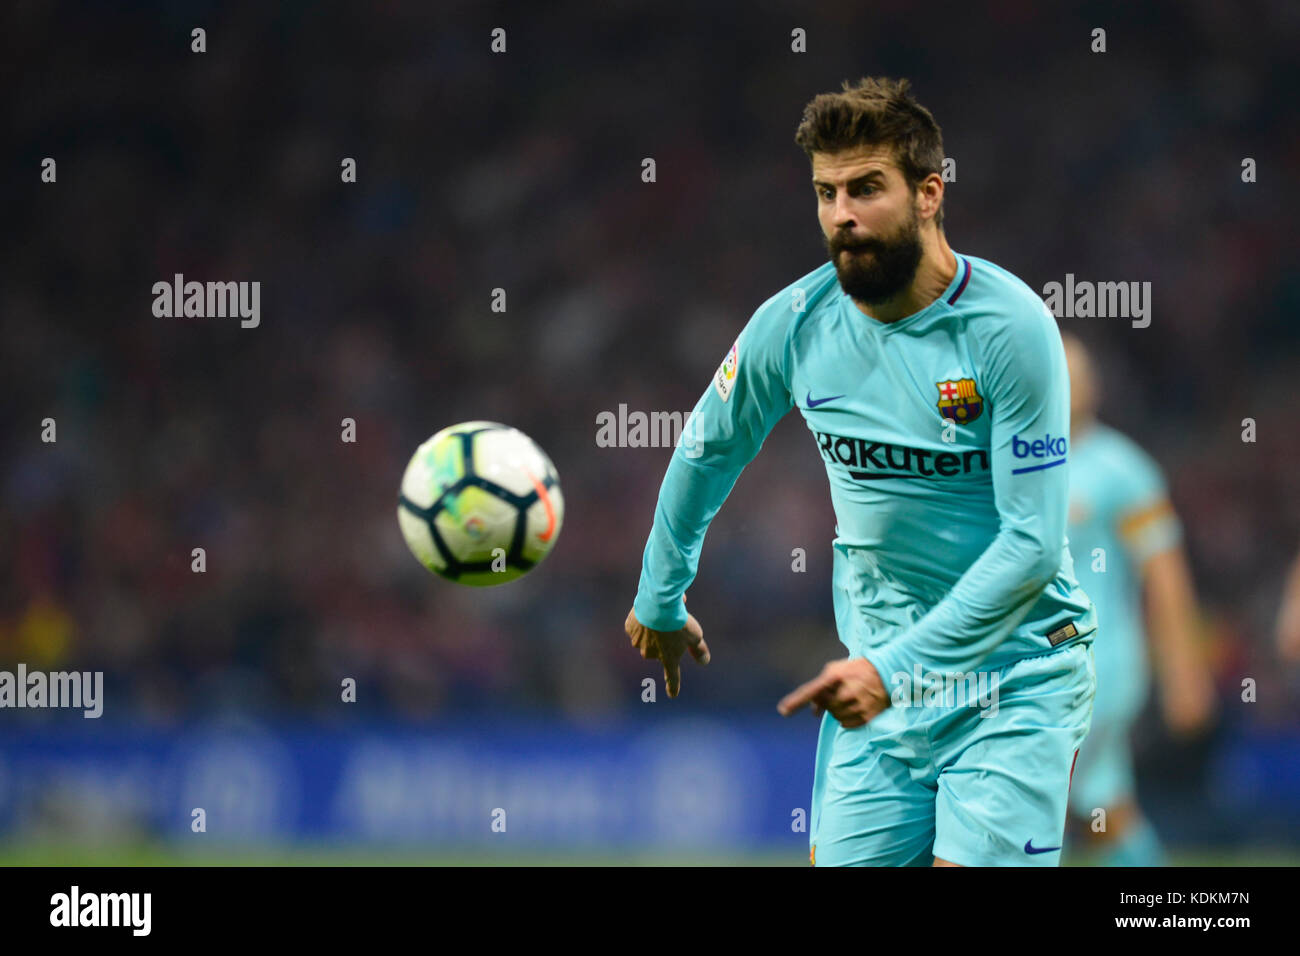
pixel 726 377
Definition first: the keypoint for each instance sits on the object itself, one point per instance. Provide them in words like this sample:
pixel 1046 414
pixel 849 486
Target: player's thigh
pixel 872 804
pixel 1005 777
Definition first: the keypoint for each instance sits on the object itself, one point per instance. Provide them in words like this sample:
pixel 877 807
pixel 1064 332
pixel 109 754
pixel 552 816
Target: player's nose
pixel 843 212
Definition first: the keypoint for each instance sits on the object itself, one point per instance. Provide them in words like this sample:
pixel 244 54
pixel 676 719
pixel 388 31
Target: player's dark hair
pixel 875 111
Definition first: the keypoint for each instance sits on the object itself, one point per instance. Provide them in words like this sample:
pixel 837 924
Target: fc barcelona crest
pixel 960 401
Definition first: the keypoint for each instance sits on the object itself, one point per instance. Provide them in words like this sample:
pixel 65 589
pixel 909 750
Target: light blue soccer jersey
pixel 1119 517
pixel 945 440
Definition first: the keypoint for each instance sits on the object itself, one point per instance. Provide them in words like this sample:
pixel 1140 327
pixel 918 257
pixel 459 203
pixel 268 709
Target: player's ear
pixel 929 196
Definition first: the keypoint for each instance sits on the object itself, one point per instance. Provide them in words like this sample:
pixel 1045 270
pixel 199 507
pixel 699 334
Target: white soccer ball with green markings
pixel 480 504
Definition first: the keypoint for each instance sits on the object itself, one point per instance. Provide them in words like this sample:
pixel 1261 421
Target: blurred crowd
pixel 522 171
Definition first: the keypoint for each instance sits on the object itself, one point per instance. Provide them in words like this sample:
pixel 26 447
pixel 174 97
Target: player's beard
pixel 886 270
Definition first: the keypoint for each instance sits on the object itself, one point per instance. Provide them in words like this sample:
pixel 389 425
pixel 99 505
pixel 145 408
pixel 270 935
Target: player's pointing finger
pixel 806 693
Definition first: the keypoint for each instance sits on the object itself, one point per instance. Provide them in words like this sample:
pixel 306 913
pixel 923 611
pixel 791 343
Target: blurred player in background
pixel 1127 543
pixel 1288 621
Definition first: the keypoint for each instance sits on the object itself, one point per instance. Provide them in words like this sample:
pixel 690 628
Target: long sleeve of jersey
pixel 1029 402
pixel 733 417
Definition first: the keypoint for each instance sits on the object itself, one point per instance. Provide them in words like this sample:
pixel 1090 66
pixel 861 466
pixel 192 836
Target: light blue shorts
pixel 973 785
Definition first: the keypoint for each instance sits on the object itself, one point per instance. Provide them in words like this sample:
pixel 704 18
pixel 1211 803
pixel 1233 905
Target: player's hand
pixel 1188 704
pixel 668 647
pixel 850 689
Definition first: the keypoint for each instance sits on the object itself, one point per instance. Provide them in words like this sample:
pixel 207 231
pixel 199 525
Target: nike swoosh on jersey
pixel 813 403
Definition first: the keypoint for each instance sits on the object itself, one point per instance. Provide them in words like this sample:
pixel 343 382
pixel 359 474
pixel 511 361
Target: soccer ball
pixel 480 504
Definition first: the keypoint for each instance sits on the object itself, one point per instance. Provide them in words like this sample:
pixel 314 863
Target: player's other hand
pixel 668 647
pixel 1188 703
pixel 850 689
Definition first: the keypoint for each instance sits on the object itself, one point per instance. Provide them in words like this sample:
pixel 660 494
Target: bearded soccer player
pixel 1128 540
pixel 934 385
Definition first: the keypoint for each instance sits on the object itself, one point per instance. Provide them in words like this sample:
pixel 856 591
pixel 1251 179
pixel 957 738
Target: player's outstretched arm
pixel 1153 539
pixel 668 647
pixel 1186 689
pixel 747 397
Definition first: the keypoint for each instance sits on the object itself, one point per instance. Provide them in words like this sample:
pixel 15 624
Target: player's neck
pixel 936 271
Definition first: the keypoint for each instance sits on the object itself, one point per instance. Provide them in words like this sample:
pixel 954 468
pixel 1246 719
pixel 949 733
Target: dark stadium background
pixel 522 171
